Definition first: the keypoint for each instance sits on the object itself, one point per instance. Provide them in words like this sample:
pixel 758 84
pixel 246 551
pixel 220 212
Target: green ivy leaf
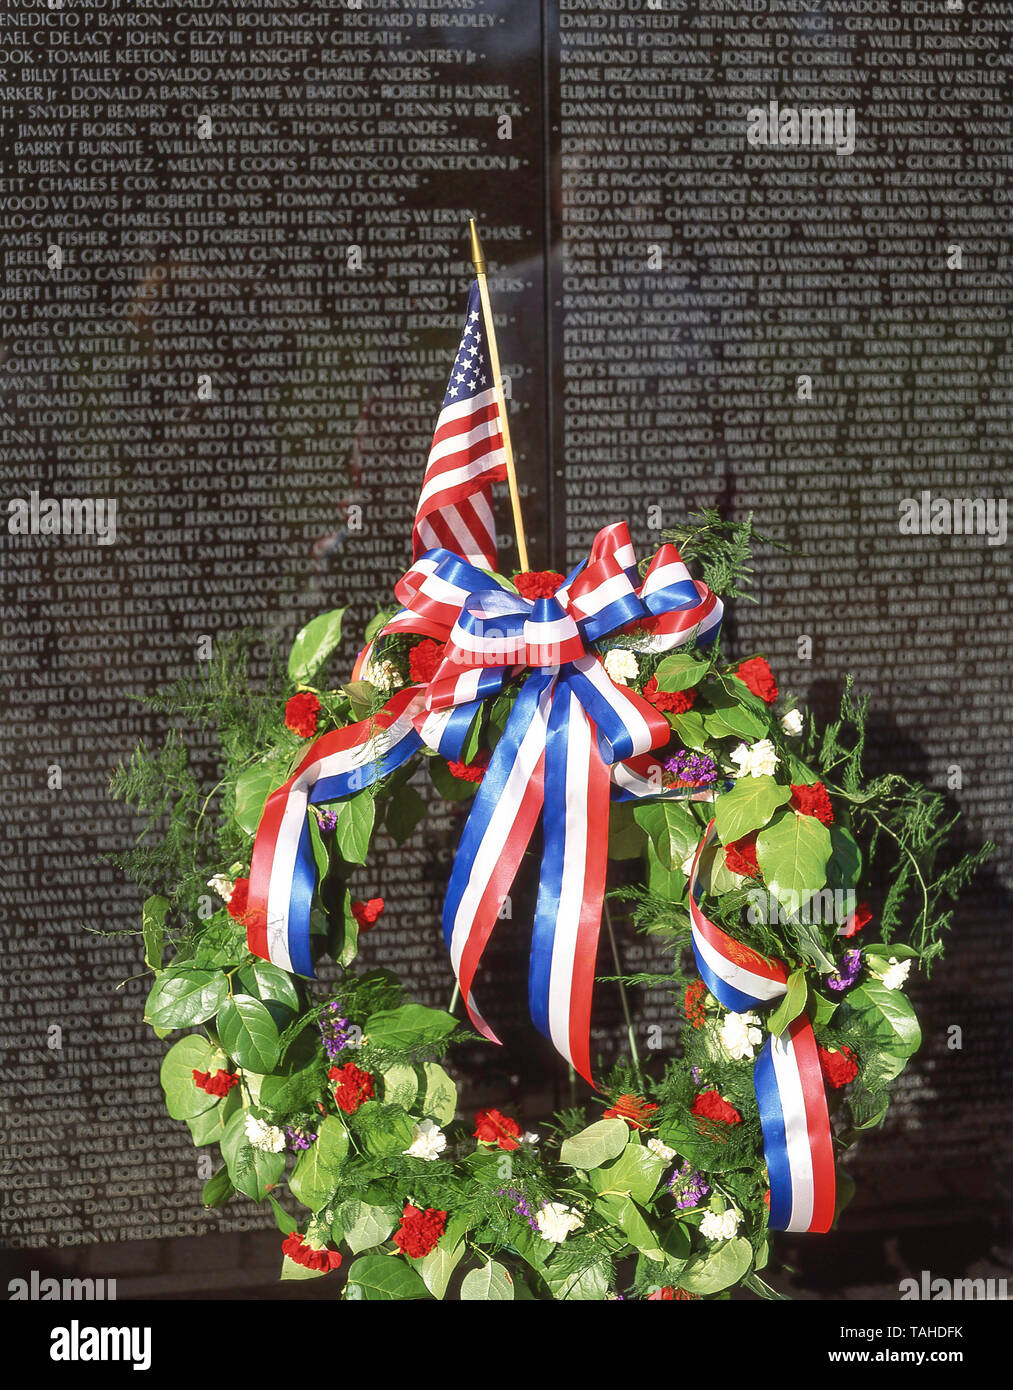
pixel 635 1173
pixel 317 1172
pixel 719 1268
pixel 622 1212
pixel 689 729
pixel 362 1226
pixel 282 1219
pixel 252 790
pixel 153 930
pixel 626 838
pixel 313 645
pixel 664 882
pixel 355 826
pixel 680 671
pixel 748 806
pixel 218 1189
pixel 248 1033
pixel 439 1102
pixel 182 997
pixel 384 1278
pixel 451 788
pixel 210 1125
pixel 732 721
pixel 587 1285
pixel 405 811
pixel 845 865
pixel 793 853
pixel 407 1026
pixel 791 1005
pixel 889 1013
pixel 595 1145
pixel 400 1085
pixel 184 1099
pixel 490 1284
pixel 436 1268
pixel 251 1170
pixel 266 981
pixel 671 829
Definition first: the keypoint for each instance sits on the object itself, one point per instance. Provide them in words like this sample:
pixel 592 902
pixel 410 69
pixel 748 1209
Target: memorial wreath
pixel 756 833
pixel 597 707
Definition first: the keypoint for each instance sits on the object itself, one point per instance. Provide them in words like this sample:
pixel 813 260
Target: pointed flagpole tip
pixel 477 258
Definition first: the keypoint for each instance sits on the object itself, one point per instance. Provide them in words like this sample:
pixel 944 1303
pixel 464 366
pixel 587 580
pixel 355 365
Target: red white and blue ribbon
pixel 574 739
pixel 797 1141
pixel 339 764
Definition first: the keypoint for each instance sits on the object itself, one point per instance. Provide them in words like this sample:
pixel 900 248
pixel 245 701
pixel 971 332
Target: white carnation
pixel 530 1137
pixel 555 1221
pixel 757 760
pixel 269 1138
pixel 740 1037
pixel 661 1150
pixel 621 665
pixel 895 974
pixel 428 1141
pixel 791 722
pixel 384 675
pixel 720 1225
pixel 223 886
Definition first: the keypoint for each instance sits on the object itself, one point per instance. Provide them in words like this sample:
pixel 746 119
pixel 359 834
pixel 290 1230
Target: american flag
pixel 467 457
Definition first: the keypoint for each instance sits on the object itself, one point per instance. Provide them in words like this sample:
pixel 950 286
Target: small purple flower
pixel 335 1031
pixel 328 821
pixel 688 1187
pixel 845 977
pixel 691 769
pixel 520 1205
pixel 695 1073
pixel 299 1139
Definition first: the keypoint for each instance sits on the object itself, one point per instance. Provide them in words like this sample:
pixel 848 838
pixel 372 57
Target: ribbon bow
pixel 574 740
pixel 797 1141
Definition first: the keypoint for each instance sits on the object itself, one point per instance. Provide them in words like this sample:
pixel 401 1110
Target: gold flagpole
pixel 478 260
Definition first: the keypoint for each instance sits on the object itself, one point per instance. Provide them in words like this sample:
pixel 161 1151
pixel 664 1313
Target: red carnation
pixel 419 1231
pixel 813 801
pixel 493 1127
pixel 473 771
pixel 668 701
pixel 757 676
pixel 219 1083
pixel 667 1293
pixel 838 1068
pixel 301 714
pixel 693 1003
pixel 367 913
pixel 295 1247
pixel 354 1087
pixel 861 917
pixel 634 1110
pixel 239 901
pixel 740 856
pixel 425 660
pixel 534 584
pixel 709 1105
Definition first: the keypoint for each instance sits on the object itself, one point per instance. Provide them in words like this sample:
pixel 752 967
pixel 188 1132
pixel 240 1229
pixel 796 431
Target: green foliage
pixel 722 549
pixel 352 1164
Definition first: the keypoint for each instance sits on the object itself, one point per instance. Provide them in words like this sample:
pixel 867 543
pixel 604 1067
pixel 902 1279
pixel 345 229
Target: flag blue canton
pixel 472 372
